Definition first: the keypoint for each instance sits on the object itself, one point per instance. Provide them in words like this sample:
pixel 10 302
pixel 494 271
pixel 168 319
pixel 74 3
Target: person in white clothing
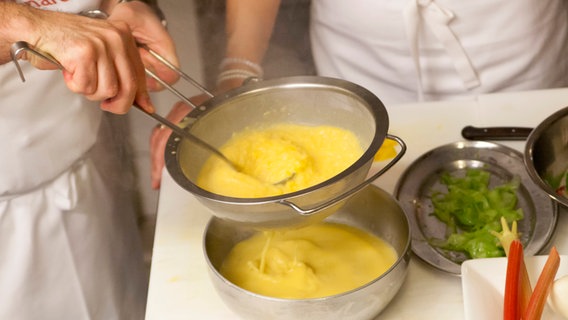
pixel 407 51
pixel 69 243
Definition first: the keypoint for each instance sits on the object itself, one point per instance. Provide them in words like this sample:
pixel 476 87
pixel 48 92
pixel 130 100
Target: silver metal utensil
pixel 187 135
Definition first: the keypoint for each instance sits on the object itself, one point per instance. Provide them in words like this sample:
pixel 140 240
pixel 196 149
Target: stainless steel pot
pixel 303 100
pixel 372 210
pixel 546 150
pixel 546 153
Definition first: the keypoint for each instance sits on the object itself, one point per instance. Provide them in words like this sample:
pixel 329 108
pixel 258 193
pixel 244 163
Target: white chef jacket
pixel 405 51
pixel 69 245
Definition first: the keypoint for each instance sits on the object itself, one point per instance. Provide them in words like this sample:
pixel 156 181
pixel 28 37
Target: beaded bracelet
pixel 230 60
pixel 235 74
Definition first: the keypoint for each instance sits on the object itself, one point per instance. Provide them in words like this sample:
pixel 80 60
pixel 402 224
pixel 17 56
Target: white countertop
pixel 179 280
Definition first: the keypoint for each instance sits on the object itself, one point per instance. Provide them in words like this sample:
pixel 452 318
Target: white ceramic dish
pixel 483 284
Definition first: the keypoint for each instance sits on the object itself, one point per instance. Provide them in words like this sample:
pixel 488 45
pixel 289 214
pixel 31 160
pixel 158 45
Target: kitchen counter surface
pixel 179 280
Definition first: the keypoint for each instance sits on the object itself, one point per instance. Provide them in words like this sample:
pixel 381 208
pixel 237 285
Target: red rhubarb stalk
pixel 514 259
pixel 506 237
pixel 525 288
pixel 543 285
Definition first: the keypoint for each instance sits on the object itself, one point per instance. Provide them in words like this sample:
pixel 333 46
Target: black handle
pixel 495 133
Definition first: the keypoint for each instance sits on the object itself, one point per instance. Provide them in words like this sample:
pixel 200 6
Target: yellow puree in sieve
pixel 316 261
pixel 264 157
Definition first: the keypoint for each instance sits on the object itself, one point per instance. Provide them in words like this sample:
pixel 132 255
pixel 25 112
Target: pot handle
pixel 343 196
pixel 495 133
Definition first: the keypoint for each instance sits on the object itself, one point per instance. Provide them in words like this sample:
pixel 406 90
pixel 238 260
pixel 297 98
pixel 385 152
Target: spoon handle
pixel 495 133
pixel 185 134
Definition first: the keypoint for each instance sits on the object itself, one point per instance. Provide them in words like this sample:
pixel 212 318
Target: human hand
pixel 148 30
pixel 160 135
pixel 100 58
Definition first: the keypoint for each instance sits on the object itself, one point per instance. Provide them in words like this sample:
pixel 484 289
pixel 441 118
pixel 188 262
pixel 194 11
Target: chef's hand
pixel 160 135
pixel 148 30
pixel 100 58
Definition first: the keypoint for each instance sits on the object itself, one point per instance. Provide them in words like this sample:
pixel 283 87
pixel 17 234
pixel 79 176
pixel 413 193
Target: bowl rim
pixel 376 108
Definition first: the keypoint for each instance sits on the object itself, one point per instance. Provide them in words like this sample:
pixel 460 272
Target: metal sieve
pixel 306 100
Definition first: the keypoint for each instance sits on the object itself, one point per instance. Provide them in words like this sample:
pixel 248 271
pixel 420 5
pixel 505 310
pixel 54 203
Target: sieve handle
pixel 359 187
pixel 19 47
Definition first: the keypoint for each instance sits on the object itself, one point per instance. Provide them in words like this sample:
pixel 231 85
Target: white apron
pixel 406 51
pixel 69 244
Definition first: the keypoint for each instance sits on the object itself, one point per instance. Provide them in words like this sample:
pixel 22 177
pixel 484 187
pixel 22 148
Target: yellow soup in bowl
pixel 312 262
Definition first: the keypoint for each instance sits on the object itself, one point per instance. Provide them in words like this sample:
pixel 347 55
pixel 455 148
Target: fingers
pixel 95 76
pixel 159 139
pixel 118 79
pixel 159 68
pixel 150 32
pixel 131 77
pixel 105 66
pixel 118 94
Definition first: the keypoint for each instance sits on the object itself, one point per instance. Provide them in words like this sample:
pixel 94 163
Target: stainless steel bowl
pixel 546 153
pixel 372 210
pixel 421 179
pixel 302 100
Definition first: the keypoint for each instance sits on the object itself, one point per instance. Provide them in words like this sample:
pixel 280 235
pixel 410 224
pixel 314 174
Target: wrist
pixel 233 71
pixel 18 22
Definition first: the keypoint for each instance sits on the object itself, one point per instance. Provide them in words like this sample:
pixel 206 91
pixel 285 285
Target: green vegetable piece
pixel 472 212
pixel 553 180
pixel 507 235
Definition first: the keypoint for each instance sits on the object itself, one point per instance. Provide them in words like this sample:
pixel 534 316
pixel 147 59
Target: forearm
pixel 249 25
pixel 16 23
pixel 147 26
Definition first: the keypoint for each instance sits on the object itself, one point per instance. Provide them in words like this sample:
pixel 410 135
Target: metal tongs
pixel 19 47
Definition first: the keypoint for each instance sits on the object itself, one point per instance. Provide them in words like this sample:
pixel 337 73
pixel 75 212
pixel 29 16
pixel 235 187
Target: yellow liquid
pixel 386 151
pixel 267 156
pixel 316 261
